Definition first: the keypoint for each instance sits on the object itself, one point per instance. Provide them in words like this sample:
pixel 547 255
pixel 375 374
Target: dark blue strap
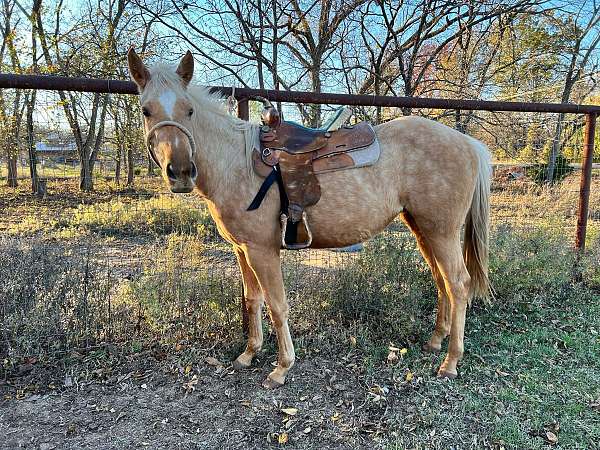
pixel 275 175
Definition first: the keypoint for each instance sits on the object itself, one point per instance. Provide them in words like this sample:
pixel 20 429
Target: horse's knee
pixel 279 314
pixel 254 305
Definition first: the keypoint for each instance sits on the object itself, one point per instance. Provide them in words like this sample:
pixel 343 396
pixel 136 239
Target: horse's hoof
pixel 446 374
pixel 269 383
pixel 239 365
pixel 428 348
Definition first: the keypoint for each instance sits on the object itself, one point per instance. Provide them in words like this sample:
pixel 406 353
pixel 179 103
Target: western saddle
pixel 293 155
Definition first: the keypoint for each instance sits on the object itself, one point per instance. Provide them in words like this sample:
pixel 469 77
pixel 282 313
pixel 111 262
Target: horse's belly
pixel 353 207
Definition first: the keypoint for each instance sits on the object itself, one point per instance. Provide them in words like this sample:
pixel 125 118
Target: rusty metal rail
pixel 48 82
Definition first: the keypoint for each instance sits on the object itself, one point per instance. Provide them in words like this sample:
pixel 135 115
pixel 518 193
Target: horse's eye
pixel 190 112
pixel 145 112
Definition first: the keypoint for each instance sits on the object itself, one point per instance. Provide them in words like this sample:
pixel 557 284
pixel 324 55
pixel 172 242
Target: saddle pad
pixel 360 157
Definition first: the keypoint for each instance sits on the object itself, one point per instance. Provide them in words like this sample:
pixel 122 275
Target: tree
pixel 72 52
pixel 579 32
pixel 11 103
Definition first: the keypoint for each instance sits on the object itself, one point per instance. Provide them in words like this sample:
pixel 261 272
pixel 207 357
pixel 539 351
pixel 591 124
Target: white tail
pixel 476 242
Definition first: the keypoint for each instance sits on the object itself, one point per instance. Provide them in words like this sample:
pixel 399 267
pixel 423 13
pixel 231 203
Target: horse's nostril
pixel 194 172
pixel 170 172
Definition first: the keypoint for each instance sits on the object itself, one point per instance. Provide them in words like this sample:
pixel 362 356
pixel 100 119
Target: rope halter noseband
pixel 168 123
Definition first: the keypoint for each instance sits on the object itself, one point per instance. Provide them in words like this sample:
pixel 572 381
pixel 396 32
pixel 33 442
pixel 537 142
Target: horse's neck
pixel 221 158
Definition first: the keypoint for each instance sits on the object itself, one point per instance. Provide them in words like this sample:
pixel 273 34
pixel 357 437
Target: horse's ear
pixel 185 70
pixel 138 71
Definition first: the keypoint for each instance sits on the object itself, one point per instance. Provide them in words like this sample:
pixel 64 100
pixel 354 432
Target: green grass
pixel 156 216
pixel 520 383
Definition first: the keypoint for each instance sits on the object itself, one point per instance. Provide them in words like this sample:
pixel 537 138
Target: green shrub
pixel 183 295
pixel 53 297
pixel 526 262
pixel 562 168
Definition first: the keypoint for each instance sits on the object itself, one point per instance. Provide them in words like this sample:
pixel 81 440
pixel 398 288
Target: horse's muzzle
pixel 182 189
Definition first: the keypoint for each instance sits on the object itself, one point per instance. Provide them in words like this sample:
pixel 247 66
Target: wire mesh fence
pixel 131 262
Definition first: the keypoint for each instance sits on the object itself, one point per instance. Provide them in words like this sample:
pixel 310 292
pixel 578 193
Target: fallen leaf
pixel 404 351
pixel 290 411
pixel 392 357
pixel 283 438
pixel 353 341
pixel 212 361
pixel 187 369
pixel 502 374
pixel 190 386
pixel 551 437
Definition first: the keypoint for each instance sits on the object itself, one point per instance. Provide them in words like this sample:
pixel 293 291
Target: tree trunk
pixel 150 166
pixel 315 115
pixel 554 149
pixel 85 176
pixel 31 144
pixel 118 164
pixel 130 165
pixel 459 123
pixel 11 166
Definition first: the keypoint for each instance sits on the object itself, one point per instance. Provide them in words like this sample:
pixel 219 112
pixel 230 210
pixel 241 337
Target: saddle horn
pixel 269 115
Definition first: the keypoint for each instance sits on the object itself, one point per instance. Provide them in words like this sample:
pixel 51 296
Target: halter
pixel 168 123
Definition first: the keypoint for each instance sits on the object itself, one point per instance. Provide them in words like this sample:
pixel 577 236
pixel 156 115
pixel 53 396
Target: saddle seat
pixel 293 155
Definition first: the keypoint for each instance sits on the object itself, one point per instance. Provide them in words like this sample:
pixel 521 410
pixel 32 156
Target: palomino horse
pixel 434 177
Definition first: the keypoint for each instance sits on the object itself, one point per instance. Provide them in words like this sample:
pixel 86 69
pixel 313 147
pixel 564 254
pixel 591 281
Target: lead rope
pixel 232 103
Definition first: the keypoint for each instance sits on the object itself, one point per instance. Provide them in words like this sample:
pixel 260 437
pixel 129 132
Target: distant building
pixel 56 149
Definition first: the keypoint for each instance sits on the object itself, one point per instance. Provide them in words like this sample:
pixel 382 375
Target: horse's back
pixel 425 167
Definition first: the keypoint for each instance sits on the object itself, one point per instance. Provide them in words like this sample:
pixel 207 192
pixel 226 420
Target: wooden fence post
pixel 244 114
pixel 586 180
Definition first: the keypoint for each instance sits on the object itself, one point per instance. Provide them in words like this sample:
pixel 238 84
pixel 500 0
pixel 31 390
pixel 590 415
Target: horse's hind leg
pixel 254 301
pixel 442 320
pixel 448 254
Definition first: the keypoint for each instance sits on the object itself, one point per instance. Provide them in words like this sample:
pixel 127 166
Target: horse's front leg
pixel 266 265
pixel 254 301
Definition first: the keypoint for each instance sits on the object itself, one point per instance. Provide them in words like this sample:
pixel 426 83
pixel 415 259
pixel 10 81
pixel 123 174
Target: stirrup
pixel 299 245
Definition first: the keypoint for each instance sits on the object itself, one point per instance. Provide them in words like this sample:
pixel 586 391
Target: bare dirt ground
pixel 156 404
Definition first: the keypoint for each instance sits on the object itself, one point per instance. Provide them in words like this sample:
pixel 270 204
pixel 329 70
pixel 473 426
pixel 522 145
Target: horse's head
pixel 168 115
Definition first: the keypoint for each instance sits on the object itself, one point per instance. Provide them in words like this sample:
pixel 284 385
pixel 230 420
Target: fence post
pixel 586 180
pixel 244 114
pixel 243 109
